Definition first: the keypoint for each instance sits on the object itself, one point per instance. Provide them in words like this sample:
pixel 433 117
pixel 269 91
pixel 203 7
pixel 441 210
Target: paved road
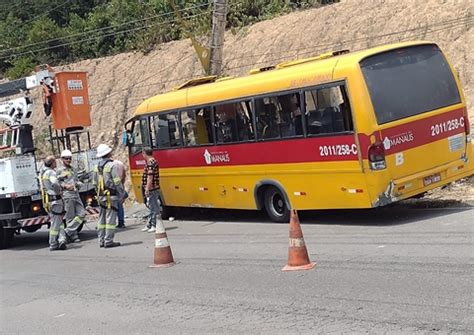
pixel 394 270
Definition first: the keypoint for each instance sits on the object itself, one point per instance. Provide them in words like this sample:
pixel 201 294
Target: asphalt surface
pixel 398 270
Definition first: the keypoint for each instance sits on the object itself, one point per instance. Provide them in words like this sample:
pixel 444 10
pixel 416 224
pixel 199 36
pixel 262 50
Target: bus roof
pixel 288 75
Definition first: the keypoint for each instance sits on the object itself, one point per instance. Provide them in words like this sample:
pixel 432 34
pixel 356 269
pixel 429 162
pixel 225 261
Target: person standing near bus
pixel 75 212
pixel 110 191
pixel 53 203
pixel 122 172
pixel 151 188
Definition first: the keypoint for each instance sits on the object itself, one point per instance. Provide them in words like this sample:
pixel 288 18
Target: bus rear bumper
pixel 407 187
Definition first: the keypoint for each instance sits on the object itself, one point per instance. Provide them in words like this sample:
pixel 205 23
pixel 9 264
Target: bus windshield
pixel 409 81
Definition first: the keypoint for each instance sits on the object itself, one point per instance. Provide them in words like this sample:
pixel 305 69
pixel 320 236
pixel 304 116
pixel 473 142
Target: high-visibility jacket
pixel 50 187
pixel 107 181
pixel 67 176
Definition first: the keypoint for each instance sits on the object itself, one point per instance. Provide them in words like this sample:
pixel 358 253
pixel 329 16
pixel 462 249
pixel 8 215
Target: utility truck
pixel 66 100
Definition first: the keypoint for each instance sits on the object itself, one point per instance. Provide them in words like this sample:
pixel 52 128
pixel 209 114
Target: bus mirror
pixel 126 138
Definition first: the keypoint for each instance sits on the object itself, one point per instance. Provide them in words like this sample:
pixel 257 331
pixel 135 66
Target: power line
pixel 141 81
pixel 43 14
pixel 104 35
pixel 95 37
pixel 99 29
pixel 453 24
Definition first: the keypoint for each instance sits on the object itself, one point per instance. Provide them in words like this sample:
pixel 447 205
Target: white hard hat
pixel 66 153
pixel 103 150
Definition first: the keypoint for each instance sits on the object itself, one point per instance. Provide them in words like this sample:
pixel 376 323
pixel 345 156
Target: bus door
pixel 136 136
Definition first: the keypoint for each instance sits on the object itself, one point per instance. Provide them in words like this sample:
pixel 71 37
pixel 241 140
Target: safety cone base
pixel 308 266
pixel 162 265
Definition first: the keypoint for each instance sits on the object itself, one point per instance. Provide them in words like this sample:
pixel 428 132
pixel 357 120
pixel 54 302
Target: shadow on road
pixel 39 240
pixel 395 214
pixel 131 243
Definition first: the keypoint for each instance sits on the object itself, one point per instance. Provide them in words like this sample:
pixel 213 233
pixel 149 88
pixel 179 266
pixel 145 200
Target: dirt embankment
pixel 119 83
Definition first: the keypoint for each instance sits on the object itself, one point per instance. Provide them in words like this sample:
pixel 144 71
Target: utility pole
pixel 217 38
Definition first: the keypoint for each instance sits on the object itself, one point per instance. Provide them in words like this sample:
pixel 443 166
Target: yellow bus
pixel 340 130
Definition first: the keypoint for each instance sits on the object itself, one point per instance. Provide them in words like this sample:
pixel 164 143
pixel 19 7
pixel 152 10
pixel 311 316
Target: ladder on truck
pixel 9 138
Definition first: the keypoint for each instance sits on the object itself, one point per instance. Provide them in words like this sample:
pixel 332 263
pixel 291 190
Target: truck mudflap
pixel 40 220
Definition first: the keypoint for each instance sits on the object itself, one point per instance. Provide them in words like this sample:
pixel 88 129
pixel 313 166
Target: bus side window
pixel 226 123
pixel 144 131
pixel 244 121
pixel 327 111
pixel 136 135
pixel 266 118
pixel 289 116
pixel 279 116
pixel 166 130
pixel 195 127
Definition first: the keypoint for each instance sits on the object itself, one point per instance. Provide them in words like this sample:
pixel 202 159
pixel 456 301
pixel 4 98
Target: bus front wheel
pixel 275 205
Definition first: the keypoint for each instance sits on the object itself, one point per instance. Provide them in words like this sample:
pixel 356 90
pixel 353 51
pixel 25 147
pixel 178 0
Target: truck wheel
pixel 275 205
pixel 7 236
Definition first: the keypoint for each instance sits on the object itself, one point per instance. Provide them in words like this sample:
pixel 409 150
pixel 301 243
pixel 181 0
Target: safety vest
pixel 44 194
pixel 102 190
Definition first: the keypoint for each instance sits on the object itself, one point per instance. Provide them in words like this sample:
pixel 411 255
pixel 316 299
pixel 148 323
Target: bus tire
pixel 275 205
pixel 166 212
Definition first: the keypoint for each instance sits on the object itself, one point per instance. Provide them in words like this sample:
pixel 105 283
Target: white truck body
pixel 18 177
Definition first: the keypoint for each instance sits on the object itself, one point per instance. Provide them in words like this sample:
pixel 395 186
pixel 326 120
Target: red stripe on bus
pixel 316 149
pixel 313 149
pixel 417 133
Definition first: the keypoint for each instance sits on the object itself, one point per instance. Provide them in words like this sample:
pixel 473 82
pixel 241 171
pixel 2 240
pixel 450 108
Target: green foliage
pixel 61 31
pixel 42 144
pixel 20 67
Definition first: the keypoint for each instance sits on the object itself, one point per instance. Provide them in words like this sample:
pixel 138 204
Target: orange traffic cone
pixel 163 256
pixel 297 254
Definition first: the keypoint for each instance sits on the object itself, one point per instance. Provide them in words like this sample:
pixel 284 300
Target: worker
pixel 53 203
pixel 110 192
pixel 75 212
pixel 47 97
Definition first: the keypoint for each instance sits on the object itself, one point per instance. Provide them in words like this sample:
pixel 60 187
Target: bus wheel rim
pixel 278 204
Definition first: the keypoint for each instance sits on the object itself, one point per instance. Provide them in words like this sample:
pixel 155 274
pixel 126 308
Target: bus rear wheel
pixel 166 212
pixel 275 205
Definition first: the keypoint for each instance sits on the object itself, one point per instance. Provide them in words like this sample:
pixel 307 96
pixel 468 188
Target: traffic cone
pixel 163 256
pixel 297 254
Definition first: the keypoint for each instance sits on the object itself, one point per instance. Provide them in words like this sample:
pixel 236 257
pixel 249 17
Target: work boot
pixel 53 248
pixel 72 239
pixel 112 245
pixel 121 225
pixel 101 244
pixel 62 246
